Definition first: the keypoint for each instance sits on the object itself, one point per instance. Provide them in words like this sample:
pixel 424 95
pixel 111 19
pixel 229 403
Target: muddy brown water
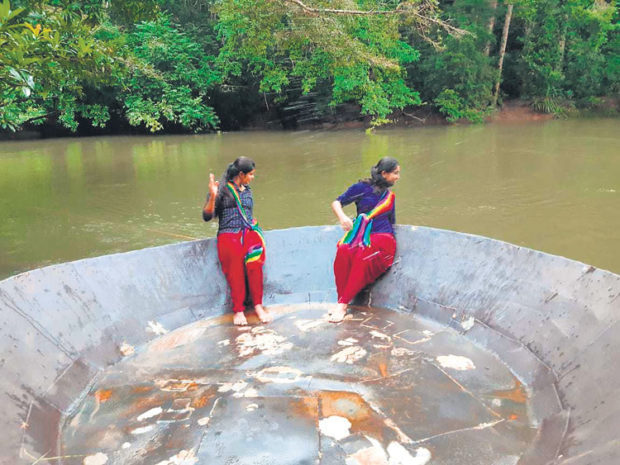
pixel 552 186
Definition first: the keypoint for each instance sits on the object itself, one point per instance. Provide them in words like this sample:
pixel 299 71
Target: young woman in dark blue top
pixel 240 245
pixel 367 250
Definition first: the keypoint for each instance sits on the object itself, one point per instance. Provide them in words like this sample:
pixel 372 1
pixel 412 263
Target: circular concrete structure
pixel 468 351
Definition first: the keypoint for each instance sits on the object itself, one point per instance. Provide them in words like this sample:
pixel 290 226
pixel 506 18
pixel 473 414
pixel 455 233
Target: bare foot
pixel 337 315
pixel 263 314
pixel 239 319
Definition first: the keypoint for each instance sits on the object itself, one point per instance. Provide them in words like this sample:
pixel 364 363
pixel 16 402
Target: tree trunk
pixel 502 51
pixel 562 42
pixel 490 26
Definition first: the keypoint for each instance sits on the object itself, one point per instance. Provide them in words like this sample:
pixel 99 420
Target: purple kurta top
pixel 365 200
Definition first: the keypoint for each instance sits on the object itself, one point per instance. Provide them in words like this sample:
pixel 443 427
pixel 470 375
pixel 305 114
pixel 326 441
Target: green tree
pixel 458 76
pixel 564 48
pixel 170 76
pixel 50 55
pixel 590 26
pixel 169 65
pixel 355 49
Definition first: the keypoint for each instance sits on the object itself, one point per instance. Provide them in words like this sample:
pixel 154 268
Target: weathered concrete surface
pixel 553 321
pixel 304 391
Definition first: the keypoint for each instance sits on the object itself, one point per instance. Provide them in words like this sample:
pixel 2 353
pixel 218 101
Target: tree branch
pixel 47 115
pixel 406 8
pixel 421 120
pixel 308 9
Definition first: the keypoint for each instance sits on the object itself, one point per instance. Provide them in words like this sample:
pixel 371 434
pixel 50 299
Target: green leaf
pixel 14 73
pixel 5 8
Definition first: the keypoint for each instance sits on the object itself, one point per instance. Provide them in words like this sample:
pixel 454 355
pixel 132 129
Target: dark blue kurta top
pixel 228 213
pixel 365 200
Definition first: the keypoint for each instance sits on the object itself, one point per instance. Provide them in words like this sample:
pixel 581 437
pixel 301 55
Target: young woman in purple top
pixel 367 250
pixel 240 245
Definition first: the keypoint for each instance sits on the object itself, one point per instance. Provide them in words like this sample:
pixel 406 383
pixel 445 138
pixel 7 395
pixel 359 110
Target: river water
pixel 552 186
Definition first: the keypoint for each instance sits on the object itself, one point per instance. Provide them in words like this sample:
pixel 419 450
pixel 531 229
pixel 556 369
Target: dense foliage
pixel 197 65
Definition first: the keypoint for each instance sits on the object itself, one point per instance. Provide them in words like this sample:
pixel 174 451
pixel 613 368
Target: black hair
pixel 376 179
pixel 240 165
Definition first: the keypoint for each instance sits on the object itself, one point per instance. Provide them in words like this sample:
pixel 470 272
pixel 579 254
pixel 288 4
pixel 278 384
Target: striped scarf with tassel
pixel 359 234
pixel 256 252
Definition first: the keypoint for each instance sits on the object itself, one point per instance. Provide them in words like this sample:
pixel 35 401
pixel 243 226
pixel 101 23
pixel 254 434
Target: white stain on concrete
pixel 98 459
pixel 456 362
pixel 142 430
pixel 250 392
pixel 178 385
pixel 280 375
pixel 380 335
pixel 126 445
pixel 150 413
pixel 375 455
pixel 401 456
pixel 185 457
pixel 236 387
pixel 428 333
pixel 126 349
pixel 177 338
pixel 468 323
pixel 204 421
pixel 487 425
pixel 307 325
pixel 402 437
pixel 348 341
pixel 402 352
pixel 497 402
pixel 224 343
pixel 251 407
pixel 349 355
pixel 157 328
pixel 264 340
pixel 335 427
pixel 382 346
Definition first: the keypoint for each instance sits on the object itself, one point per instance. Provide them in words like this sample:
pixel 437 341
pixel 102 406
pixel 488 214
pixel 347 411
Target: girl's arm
pixel 209 207
pixel 345 221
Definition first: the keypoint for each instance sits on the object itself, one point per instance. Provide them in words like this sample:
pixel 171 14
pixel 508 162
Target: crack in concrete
pixel 481 426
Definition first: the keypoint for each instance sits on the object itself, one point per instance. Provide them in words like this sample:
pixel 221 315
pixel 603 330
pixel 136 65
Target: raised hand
pixel 213 185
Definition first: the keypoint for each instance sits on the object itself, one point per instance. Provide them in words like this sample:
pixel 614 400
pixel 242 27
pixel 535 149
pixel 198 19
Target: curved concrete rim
pixel 552 320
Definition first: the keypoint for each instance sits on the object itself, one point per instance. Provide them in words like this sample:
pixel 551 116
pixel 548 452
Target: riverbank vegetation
pixel 199 65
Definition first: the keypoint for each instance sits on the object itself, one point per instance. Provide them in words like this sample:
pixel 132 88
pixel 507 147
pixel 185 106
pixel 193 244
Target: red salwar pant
pixel 231 250
pixel 356 267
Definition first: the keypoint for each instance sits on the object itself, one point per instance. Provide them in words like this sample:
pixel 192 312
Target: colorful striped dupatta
pixel 359 234
pixel 256 252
